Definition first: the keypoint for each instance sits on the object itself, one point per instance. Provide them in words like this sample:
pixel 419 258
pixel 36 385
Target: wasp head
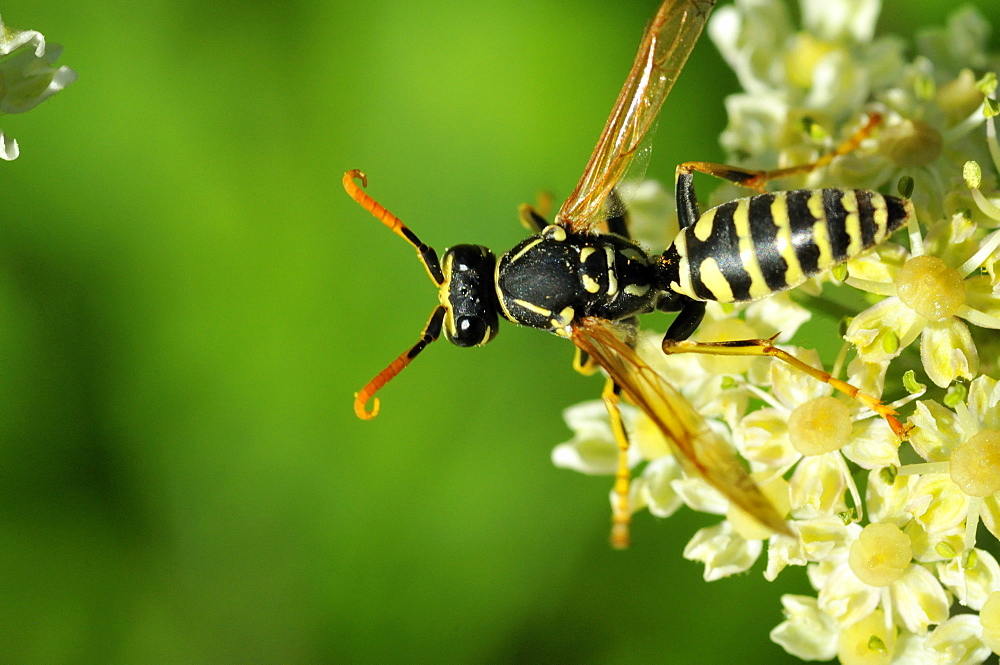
pixel 468 295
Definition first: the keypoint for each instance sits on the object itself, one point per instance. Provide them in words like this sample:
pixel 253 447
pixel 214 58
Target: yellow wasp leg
pixel 583 363
pixel 533 217
pixel 756 180
pixel 764 347
pixel 621 515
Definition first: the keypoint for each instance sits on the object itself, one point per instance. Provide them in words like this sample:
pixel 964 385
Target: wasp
pixel 583 278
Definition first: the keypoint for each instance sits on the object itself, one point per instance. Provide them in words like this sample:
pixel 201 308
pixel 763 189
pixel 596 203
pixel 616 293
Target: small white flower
pixel 889 568
pixel 971 579
pixel 878 572
pixel 989 620
pixel 723 551
pixel 961 481
pixel 927 297
pixel 27 76
pixel 958 641
pixel 807 632
pixel 593 449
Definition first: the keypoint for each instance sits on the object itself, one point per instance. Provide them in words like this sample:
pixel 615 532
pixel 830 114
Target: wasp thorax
pixel 469 296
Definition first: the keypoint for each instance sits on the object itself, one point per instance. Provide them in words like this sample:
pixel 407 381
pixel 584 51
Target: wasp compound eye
pixel 471 331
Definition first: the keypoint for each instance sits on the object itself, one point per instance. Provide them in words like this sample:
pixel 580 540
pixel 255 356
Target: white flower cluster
pixel 27 76
pixel 887 530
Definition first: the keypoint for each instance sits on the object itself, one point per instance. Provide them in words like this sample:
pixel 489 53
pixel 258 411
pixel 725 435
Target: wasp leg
pixel 621 513
pixel 617 220
pixel 530 218
pixel 534 218
pixel 583 363
pixel 764 347
pixel 687 320
pixel 755 179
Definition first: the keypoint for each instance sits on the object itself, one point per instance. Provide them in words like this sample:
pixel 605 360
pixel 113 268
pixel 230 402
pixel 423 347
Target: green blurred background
pixel 188 301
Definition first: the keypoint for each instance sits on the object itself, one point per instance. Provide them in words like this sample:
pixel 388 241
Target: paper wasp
pixel 589 286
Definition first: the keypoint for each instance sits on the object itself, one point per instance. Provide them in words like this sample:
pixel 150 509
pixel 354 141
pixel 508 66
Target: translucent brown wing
pixel 699 450
pixel 664 50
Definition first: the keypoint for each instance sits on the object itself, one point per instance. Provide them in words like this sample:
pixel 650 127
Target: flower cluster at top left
pixel 28 76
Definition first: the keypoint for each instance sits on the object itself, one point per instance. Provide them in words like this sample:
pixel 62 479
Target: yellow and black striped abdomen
pixel 753 247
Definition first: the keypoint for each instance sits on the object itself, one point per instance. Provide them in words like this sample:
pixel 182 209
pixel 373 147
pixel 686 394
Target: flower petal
pixel 989 514
pixel 869 330
pixel 936 431
pixel 723 552
pixel 841 20
pixel 937 503
pixel 762 438
pixel 918 599
pixel 783 551
pixel 792 386
pixel 948 352
pixel 984 402
pixel 593 449
pixel 807 632
pixel 655 486
pixel 8 148
pixel 846 598
pixel 779 313
pixel 873 445
pixel 822 536
pixel 817 487
pixel 958 641
pixel 887 502
pixel 972 584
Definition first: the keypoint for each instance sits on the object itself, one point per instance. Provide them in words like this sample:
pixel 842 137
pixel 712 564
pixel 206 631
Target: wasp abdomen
pixel 753 247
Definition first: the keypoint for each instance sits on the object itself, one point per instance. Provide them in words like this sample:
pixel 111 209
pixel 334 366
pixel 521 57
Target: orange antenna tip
pixel 353 174
pixel 360 399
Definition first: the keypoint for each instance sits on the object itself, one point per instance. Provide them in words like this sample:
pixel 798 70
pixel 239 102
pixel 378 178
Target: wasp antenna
pixel 425 253
pixel 361 398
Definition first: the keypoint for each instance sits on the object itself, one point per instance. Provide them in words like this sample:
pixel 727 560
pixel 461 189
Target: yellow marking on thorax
pixel 532 307
pixel 609 253
pixel 554 232
pixel 634 255
pixel 524 250
pixel 560 324
pixel 636 290
pixel 589 283
pixel 500 298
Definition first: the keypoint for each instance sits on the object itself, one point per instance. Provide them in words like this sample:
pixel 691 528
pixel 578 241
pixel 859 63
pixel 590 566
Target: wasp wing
pixel 662 53
pixel 699 450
